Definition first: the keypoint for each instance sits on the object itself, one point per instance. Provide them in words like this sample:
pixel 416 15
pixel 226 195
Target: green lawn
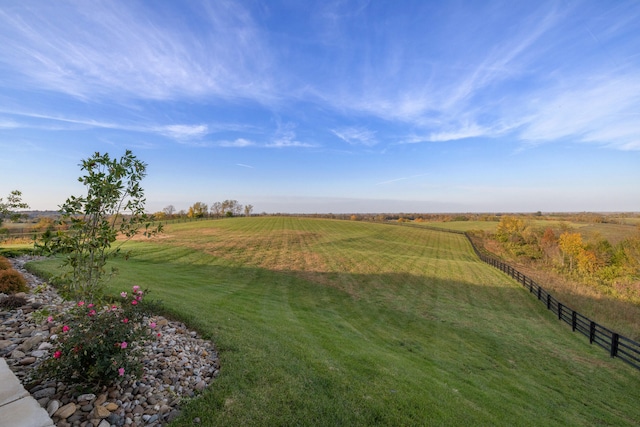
pixel 326 323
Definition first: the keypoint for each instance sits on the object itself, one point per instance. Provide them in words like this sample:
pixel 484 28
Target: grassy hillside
pixel 323 322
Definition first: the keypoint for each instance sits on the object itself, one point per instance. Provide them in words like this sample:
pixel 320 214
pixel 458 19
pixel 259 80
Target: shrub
pixel 112 207
pixel 11 282
pixel 12 301
pixel 111 354
pixel 4 263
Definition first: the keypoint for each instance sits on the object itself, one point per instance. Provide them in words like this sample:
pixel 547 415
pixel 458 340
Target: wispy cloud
pixel 509 84
pixel 107 49
pixel 237 143
pixel 285 143
pixel 356 136
pixel 285 137
pixel 9 124
pixel 184 132
pixel 596 111
pixel 404 178
pixel 244 166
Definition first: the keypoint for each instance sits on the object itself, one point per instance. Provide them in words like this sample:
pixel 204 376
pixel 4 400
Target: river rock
pixel 173 352
pixel 66 411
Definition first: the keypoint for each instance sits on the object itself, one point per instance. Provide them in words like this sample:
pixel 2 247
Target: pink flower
pixel 57 354
pixel 125 320
pixel 123 294
pixel 123 344
pixel 121 371
pixel 134 302
pixel 139 298
pixel 91 313
pixel 152 325
pixel 80 303
pixel 114 307
pixel 65 328
pixel 136 288
pixel 159 334
pixel 50 319
pixel 90 305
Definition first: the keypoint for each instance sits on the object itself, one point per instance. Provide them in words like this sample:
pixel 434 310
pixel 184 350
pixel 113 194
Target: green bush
pixel 11 282
pixel 113 352
pixel 4 263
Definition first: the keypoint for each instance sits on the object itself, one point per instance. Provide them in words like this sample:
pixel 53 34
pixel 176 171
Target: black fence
pixel 615 344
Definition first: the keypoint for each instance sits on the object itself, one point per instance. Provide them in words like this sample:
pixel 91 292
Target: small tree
pixel 14 201
pixel 113 206
pixel 169 210
pixel 216 209
pixel 198 210
pixel 248 209
pixel 571 246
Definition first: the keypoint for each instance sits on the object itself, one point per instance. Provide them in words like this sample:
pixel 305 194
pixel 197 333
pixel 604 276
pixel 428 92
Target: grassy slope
pixel 342 323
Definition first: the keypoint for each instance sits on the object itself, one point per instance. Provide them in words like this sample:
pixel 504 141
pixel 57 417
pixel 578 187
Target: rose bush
pixel 99 345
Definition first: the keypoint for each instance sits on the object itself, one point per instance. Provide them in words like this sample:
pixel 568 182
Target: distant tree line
pixel 590 258
pixel 226 208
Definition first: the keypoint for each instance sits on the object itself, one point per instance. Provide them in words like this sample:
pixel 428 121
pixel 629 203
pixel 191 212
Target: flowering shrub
pixel 98 345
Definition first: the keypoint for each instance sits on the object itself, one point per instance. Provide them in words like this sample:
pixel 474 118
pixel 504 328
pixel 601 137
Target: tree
pixel 113 206
pixel 159 216
pixel 216 209
pixel 571 246
pixel 231 208
pixel 247 210
pixel 14 201
pixel 509 229
pixel 198 210
pixel 169 210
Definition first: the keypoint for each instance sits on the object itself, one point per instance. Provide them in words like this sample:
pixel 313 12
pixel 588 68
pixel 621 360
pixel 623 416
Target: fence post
pixel 574 320
pixel 592 332
pixel 559 311
pixel 548 301
pixel 539 293
pixel 614 344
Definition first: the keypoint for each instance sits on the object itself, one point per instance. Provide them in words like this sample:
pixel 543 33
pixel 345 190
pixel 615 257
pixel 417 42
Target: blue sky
pixel 328 106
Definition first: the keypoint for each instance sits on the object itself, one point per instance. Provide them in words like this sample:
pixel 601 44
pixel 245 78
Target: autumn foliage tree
pixel 198 210
pixel 571 246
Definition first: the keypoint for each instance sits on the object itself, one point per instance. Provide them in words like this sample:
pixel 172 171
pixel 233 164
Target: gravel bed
pixel 177 365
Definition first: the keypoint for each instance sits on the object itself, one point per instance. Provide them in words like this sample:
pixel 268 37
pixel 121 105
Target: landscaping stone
pixel 177 364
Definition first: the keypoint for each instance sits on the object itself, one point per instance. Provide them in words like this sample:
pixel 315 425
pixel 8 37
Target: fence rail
pixel 615 344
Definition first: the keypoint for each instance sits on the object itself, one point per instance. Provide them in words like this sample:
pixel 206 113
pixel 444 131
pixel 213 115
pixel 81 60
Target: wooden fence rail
pixel 615 344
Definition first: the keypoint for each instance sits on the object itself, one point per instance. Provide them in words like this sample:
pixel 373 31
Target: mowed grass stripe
pixel 415 332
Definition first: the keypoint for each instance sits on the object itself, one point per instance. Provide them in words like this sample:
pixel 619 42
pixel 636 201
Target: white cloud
pixel 285 137
pixel 238 143
pixel 285 143
pixel 466 131
pixel 356 136
pixel 182 132
pixel 9 124
pixel 592 110
pixel 115 50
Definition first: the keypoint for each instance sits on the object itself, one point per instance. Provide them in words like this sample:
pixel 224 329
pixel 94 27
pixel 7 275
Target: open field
pixel 322 322
pixel 614 233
